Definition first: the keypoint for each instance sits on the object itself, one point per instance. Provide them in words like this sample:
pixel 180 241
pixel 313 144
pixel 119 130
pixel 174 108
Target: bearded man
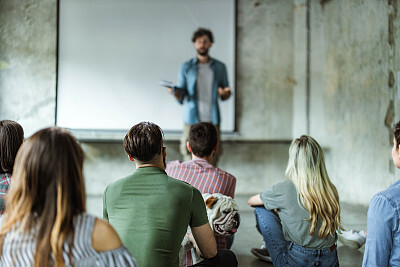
pixel 202 80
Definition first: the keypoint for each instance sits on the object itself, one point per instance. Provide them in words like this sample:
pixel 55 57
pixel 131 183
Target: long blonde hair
pixel 47 190
pixel 306 168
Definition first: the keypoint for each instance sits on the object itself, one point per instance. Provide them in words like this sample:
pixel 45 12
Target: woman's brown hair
pixel 11 138
pixel 47 190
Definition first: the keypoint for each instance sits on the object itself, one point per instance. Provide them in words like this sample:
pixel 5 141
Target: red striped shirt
pixel 207 179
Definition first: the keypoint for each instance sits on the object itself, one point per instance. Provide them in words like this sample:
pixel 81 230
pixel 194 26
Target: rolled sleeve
pixel 274 196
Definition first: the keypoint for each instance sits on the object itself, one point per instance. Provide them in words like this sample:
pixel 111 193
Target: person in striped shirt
pixel 200 173
pixel 45 223
pixel 11 138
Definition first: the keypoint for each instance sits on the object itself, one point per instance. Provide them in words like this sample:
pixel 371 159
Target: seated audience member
pixel 382 247
pixel 298 218
pixel 11 138
pixel 151 211
pixel 200 173
pixel 45 223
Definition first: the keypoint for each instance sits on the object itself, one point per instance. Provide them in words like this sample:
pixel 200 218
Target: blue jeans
pixel 286 253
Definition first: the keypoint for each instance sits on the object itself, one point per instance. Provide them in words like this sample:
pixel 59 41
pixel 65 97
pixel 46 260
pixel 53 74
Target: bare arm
pixel 255 201
pixel 104 237
pixel 205 240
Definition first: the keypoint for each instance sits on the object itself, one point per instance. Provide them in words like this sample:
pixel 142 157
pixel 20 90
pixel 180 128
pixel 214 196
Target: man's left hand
pixel 225 93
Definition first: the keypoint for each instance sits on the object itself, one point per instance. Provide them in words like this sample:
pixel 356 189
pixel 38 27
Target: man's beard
pixel 203 52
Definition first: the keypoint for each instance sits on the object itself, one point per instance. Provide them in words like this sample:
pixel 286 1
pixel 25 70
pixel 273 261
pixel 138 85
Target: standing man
pixel 151 211
pixel 201 82
pixel 200 173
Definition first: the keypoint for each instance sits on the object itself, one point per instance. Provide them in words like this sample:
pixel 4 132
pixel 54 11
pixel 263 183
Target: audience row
pixel 147 214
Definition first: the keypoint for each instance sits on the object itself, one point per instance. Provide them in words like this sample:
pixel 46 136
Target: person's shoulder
pixel 190 62
pixel 179 183
pixel 286 184
pixel 174 163
pixel 104 236
pixel 390 194
pixel 118 183
pixel 179 165
pixel 225 173
pixel 217 62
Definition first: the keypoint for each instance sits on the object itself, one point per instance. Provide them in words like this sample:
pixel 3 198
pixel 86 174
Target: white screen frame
pixel 112 55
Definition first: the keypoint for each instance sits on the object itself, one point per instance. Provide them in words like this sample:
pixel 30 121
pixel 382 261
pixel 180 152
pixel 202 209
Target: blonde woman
pixel 45 222
pixel 298 218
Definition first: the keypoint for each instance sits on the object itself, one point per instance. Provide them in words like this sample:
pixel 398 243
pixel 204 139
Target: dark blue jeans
pixel 285 253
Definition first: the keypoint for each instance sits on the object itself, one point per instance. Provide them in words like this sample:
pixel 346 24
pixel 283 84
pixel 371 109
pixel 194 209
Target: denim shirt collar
pixel 195 61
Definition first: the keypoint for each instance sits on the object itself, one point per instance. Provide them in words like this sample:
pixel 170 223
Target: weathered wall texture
pixel 264 69
pixel 353 66
pixel 28 62
pixel 352 53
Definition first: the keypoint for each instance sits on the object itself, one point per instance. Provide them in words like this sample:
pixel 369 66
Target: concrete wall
pixel 353 65
pixel 352 52
pixel 28 62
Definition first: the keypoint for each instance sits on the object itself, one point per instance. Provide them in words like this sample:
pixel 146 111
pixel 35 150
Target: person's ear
pixel 189 148
pixel 164 151
pixel 130 158
pixel 216 147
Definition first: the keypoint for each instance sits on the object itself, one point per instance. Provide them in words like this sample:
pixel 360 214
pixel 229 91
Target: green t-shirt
pixel 151 212
pixel 295 227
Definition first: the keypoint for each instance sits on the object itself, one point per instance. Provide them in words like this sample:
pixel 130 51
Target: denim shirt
pixel 382 247
pixel 187 78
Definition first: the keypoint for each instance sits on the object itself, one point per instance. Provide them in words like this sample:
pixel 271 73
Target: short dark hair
pixel 202 139
pixel 201 32
pixel 396 133
pixel 144 141
pixel 11 138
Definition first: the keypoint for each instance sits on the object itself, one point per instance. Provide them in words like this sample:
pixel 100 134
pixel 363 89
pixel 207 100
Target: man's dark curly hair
pixel 144 141
pixel 201 32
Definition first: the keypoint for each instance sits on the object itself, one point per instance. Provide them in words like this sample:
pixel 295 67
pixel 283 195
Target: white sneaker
pixel 262 253
pixel 353 238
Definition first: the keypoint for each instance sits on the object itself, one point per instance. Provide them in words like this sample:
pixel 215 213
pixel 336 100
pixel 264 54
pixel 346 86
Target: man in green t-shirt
pixel 151 211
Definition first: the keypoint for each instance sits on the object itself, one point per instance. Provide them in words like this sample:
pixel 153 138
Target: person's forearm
pixel 205 240
pixel 255 201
